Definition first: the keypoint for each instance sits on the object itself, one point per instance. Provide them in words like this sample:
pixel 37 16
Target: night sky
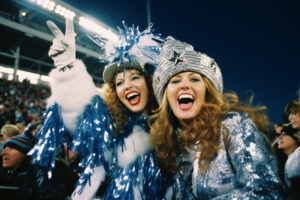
pixel 256 43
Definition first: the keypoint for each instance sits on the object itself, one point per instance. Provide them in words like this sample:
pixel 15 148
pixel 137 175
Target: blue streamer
pixel 93 137
pixel 50 138
pixel 152 184
pixel 132 47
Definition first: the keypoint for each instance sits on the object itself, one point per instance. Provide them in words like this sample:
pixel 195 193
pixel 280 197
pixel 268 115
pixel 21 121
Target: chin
pixel 186 117
pixel 135 110
pixel 296 126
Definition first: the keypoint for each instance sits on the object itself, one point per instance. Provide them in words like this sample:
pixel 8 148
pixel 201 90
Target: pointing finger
pixel 69 27
pixel 54 29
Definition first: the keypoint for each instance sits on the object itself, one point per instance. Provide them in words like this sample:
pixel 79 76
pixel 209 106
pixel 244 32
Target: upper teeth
pixel 132 94
pixel 186 96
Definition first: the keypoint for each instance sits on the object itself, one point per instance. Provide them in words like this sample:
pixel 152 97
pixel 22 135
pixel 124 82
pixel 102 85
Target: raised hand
pixel 62 50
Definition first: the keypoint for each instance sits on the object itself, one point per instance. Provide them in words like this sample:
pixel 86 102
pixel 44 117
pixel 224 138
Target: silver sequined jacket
pixel 245 168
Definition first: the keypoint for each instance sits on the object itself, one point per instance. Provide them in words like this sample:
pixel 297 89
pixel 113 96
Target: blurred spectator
pixel 278 128
pixel 17 171
pixel 21 127
pixel 289 142
pixel 32 129
pixel 21 102
pixel 293 110
pixel 7 131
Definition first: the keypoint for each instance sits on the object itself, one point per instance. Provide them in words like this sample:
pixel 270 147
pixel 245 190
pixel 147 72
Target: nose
pixel 127 85
pixel 3 151
pixel 185 84
pixel 290 117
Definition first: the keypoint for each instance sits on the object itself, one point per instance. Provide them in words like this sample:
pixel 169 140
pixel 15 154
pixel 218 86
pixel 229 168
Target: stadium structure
pixel 25 39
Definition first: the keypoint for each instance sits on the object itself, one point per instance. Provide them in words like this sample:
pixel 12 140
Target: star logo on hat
pixel 176 58
pixel 213 67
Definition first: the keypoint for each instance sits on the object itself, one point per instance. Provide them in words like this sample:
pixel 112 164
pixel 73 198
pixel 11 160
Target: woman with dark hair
pixel 293 111
pixel 205 140
pixel 106 129
pixel 289 142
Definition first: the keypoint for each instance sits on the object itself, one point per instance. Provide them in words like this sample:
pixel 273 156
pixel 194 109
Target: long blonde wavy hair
pixel 203 131
pixel 117 108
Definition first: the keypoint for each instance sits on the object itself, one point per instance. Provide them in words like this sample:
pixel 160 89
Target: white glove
pixel 63 50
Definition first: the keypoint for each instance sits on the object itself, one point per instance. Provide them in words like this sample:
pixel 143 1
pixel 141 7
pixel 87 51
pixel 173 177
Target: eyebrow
pixel 191 73
pixel 134 73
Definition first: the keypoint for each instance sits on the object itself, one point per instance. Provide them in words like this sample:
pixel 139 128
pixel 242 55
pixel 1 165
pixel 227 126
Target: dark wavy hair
pixel 293 107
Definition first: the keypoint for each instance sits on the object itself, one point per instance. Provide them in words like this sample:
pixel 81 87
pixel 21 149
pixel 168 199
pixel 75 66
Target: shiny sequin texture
pixel 133 48
pixel 244 168
pixel 92 139
pixel 140 180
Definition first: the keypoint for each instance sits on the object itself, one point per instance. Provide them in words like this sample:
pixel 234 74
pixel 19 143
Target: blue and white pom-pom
pixel 133 46
pixel 92 139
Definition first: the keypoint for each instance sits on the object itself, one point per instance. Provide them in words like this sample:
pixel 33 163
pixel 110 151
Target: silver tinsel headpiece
pixel 134 48
pixel 176 57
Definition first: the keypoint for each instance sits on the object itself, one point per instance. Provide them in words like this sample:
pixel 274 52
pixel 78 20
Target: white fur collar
pixel 72 90
pixel 137 144
pixel 90 189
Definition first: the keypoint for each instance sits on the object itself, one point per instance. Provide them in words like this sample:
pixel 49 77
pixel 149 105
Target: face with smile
pixel 186 94
pixel 295 120
pixel 286 143
pixel 132 90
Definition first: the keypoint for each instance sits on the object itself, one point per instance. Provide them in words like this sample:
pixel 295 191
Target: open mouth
pixel 5 160
pixel 185 101
pixel 133 98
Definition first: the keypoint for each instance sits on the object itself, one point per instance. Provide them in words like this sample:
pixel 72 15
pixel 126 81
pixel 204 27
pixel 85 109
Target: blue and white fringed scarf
pixel 133 120
pixel 144 174
pixel 92 138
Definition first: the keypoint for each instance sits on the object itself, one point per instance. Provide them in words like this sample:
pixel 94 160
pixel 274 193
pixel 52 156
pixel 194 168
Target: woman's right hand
pixel 63 50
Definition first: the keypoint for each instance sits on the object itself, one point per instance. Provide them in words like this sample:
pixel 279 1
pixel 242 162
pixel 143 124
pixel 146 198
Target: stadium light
pixel 52 6
pixel 6 70
pixel 10 77
pixel 92 26
pixel 23 13
pixel 82 21
pixel 45 78
pixel 32 77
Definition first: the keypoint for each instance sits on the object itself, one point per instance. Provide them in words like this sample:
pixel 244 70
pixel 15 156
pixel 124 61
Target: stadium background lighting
pixel 92 26
pixel 84 22
pixel 32 77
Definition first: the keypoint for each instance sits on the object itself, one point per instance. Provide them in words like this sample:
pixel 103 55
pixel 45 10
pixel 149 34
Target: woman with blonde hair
pixel 207 141
pixel 7 131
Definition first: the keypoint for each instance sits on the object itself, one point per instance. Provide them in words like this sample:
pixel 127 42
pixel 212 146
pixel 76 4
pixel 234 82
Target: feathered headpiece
pixel 134 48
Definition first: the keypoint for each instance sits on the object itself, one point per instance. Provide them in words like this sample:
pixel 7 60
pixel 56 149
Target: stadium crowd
pixel 21 110
pixel 21 102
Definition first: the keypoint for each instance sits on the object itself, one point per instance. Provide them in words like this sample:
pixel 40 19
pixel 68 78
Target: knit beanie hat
pixel 20 142
pixel 176 57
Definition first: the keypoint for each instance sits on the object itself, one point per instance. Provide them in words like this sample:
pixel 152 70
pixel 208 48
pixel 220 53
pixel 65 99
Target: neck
pixel 185 123
pixel 289 150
